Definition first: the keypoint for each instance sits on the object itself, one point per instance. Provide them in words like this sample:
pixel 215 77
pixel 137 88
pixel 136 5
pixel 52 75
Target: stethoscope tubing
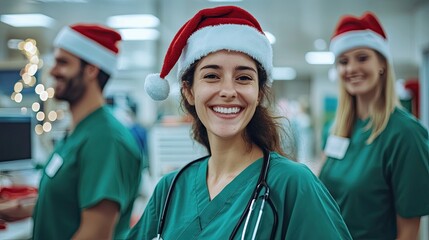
pixel 261 184
pixel 168 197
pixel 261 180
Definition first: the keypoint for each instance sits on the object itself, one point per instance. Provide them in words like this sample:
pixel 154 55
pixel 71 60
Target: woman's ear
pixel 189 95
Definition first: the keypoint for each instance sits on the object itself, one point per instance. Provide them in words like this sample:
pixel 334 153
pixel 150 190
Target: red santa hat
pixel 211 30
pixel 93 43
pixel 354 32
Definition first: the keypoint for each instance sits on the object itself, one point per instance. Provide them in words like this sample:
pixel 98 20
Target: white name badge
pixel 53 166
pixel 336 146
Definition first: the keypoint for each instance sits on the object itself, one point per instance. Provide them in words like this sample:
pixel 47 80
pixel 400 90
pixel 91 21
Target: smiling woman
pixel 224 91
pixel 225 87
pixel 376 150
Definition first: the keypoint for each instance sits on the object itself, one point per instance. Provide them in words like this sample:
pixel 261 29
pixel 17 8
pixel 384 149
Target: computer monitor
pixel 16 140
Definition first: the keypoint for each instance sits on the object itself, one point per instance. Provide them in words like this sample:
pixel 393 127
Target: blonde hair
pixel 345 117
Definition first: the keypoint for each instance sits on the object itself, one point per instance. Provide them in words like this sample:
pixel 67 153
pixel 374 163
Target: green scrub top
pixel 99 160
pixel 374 183
pixel 305 208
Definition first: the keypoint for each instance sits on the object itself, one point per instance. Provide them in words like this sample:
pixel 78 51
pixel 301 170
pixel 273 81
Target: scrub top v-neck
pixel 304 207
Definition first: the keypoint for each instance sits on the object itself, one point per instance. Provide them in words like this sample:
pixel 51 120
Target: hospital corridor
pixel 214 119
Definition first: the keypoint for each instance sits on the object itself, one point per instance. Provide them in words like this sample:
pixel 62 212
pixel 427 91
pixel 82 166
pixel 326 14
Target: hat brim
pixel 355 39
pixel 85 48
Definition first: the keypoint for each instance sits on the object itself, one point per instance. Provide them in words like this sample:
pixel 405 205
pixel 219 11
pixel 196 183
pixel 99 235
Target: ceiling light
pixel 271 37
pixel 320 57
pixel 139 34
pixel 225 0
pixel 283 73
pixel 133 21
pixel 27 20
pixel 62 1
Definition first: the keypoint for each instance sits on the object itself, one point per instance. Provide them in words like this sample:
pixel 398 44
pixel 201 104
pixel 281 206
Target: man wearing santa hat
pixel 89 184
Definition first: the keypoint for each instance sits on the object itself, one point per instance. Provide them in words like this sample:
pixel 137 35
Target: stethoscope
pixel 250 207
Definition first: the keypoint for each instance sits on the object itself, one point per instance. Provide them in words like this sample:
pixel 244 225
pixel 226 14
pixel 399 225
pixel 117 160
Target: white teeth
pixel 226 110
pixel 355 78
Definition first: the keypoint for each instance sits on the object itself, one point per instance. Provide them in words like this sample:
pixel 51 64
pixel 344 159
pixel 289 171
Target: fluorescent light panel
pixel 62 1
pixel 283 73
pixel 320 57
pixel 225 0
pixel 27 20
pixel 133 21
pixel 139 34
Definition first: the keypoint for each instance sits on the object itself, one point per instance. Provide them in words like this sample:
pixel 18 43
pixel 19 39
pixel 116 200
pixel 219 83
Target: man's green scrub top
pixel 99 160
pixel 305 208
pixel 374 183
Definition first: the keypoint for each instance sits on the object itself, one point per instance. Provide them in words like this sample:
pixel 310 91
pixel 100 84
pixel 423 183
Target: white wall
pixel 422 30
pixel 422 46
pixel 321 87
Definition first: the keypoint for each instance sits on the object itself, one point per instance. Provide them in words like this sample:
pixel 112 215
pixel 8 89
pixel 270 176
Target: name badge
pixel 53 166
pixel 336 146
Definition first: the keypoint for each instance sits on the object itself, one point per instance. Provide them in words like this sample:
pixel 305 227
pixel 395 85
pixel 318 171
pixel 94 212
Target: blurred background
pixel 305 84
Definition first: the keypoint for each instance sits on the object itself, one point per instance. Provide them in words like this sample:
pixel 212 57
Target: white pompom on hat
pixel 211 30
pixel 93 43
pixel 354 32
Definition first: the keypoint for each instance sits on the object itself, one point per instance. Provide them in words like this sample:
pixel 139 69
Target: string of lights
pixel 28 80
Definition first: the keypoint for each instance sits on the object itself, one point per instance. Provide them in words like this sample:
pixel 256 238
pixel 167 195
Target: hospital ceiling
pixel 296 26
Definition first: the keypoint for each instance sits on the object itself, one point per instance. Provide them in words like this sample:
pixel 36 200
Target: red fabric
pixel 106 37
pixel 368 21
pixel 15 192
pixel 206 17
pixel 3 224
pixel 413 86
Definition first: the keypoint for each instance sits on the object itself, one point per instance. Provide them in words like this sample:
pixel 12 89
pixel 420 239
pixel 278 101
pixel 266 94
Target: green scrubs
pixel 374 183
pixel 305 208
pixel 99 160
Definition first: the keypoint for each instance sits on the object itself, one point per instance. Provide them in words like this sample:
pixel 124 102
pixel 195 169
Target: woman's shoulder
pixel 185 172
pixel 293 178
pixel 164 182
pixel 284 168
pixel 402 121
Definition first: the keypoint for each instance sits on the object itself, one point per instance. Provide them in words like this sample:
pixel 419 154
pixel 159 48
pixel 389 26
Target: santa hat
pixel 95 44
pixel 211 30
pixel 354 32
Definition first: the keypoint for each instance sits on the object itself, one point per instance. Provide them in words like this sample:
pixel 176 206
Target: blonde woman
pixel 377 166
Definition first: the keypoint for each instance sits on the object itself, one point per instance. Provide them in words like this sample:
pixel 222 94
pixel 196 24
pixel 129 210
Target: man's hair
pixel 102 76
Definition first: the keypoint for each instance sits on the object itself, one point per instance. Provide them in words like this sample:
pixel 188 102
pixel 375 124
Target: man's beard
pixel 74 90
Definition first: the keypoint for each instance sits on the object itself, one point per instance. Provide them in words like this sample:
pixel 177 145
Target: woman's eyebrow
pixel 245 68
pixel 214 66
pixel 240 68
